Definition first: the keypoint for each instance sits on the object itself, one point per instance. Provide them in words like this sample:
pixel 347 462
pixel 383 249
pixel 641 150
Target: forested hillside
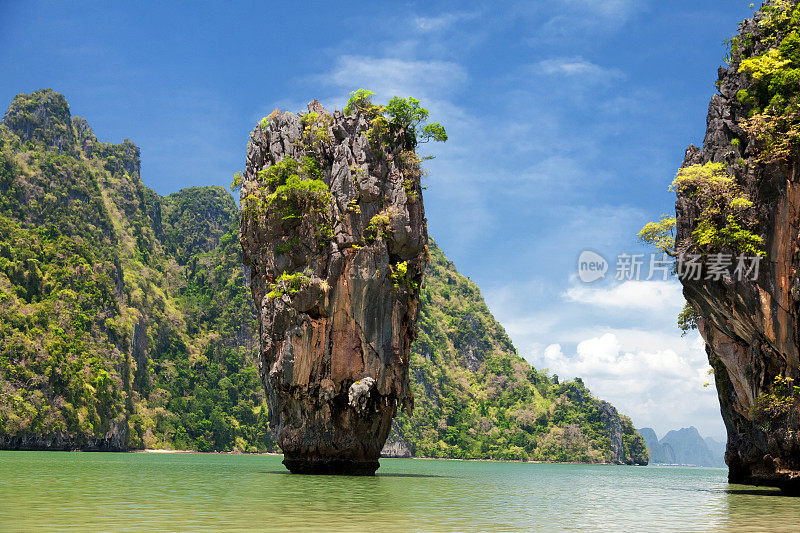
pixel 126 322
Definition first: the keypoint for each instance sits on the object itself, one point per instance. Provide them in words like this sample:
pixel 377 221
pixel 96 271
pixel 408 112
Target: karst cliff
pixel 740 196
pixel 334 234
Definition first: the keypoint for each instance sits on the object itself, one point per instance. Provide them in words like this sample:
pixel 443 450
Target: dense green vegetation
pixel 660 234
pixel 403 116
pixel 293 189
pixel 126 321
pixel 774 71
pixel 726 216
pixel 773 410
pixel 687 318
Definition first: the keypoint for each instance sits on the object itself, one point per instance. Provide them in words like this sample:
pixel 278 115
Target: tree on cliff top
pixel 404 114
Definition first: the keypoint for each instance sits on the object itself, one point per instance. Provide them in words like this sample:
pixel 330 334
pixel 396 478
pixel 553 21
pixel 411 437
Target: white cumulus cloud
pixel 660 387
pixel 654 295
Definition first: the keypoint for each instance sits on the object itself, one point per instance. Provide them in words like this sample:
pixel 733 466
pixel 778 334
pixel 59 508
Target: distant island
pixel 684 447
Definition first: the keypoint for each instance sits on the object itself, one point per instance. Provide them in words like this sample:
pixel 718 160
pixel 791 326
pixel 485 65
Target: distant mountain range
pixel 684 447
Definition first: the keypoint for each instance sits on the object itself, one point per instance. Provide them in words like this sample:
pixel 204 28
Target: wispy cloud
pixel 582 19
pixel 577 68
pixel 443 22
pixel 393 76
pixel 629 295
pixel 606 9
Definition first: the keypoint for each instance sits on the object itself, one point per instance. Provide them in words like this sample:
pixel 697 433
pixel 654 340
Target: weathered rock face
pixel 751 326
pixel 335 274
pixel 396 448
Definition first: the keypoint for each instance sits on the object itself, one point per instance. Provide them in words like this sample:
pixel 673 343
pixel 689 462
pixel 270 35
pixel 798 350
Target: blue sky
pixel 567 120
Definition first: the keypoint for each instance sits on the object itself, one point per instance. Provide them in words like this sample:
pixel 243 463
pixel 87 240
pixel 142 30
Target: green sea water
pixel 195 492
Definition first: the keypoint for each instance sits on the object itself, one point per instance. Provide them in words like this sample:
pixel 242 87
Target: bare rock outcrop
pixel 751 325
pixel 333 231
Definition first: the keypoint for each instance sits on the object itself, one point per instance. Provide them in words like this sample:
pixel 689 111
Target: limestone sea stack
pixel 334 234
pixel 748 165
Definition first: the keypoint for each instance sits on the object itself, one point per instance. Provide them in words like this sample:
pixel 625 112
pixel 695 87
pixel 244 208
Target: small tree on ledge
pixel 399 114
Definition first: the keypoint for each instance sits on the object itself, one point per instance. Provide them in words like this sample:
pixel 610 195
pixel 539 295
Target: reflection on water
pixel 136 492
pixel 756 510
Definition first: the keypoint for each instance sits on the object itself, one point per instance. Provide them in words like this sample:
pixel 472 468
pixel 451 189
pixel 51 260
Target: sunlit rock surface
pixel 335 338
pixel 751 326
